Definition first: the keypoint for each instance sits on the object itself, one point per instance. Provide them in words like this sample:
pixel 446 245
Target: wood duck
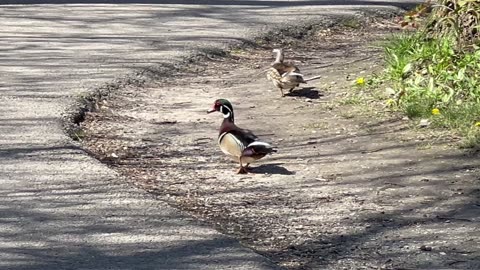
pixel 285 75
pixel 240 144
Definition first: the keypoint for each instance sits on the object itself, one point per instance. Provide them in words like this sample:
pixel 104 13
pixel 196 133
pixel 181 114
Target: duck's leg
pixel 281 91
pixel 242 169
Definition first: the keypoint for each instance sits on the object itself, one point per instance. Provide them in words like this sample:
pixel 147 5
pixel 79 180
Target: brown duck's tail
pixel 313 78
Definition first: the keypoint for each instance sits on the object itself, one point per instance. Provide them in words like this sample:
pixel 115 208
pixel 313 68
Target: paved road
pixel 61 209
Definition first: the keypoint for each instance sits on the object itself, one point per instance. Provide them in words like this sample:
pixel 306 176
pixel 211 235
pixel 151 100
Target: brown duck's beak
pixel 211 110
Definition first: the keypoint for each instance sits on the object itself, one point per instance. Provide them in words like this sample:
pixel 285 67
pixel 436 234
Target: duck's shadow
pixel 307 92
pixel 273 168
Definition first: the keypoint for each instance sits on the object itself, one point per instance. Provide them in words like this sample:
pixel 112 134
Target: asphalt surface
pixel 62 209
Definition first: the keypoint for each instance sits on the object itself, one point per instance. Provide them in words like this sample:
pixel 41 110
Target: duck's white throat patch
pixel 225 111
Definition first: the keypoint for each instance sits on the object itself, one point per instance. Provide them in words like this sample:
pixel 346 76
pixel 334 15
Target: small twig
pixel 166 122
pixel 387 186
pixel 371 151
pixel 433 6
pixel 394 184
pixel 455 262
pixel 324 66
pixel 452 218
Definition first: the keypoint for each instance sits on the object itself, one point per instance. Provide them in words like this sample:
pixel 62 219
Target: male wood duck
pixel 285 75
pixel 240 144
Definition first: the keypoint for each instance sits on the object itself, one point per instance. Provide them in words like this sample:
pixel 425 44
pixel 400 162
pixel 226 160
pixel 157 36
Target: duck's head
pixel 224 106
pixel 277 51
pixel 278 55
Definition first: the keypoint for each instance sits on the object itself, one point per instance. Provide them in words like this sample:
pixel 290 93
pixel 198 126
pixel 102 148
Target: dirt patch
pixel 350 188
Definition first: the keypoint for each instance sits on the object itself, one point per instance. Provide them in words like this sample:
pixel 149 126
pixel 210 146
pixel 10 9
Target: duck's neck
pixel 279 58
pixel 227 124
pixel 228 118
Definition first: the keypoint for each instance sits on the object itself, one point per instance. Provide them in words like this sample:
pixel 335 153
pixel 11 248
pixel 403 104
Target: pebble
pixel 390 92
pixel 426 248
pixel 424 123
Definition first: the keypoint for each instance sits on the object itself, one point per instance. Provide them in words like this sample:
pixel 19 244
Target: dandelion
pixel 390 102
pixel 477 124
pixel 360 81
pixel 435 111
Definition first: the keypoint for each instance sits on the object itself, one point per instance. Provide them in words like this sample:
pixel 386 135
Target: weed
pixel 351 99
pixel 424 146
pixel 237 51
pixel 471 139
pixel 213 52
pixel 351 22
pixel 434 71
pixel 348 114
pixel 78 135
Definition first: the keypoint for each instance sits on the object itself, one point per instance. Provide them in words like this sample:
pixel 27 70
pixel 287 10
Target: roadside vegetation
pixel 433 67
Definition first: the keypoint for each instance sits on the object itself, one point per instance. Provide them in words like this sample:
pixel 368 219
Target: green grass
pixel 353 99
pixel 351 22
pixel 471 139
pixel 433 72
pixel 429 73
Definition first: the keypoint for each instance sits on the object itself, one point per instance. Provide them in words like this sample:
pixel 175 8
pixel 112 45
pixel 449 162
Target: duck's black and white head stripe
pixel 226 111
pixel 225 107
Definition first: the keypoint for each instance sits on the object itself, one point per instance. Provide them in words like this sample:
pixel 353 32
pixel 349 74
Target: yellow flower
pixel 435 111
pixel 390 102
pixel 360 81
pixel 477 124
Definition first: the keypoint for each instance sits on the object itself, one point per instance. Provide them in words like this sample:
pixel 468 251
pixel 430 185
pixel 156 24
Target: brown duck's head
pixel 224 106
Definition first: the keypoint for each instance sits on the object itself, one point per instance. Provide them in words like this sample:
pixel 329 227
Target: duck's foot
pixel 242 170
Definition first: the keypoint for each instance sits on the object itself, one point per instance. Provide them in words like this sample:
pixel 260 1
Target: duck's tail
pixel 313 78
pixel 261 147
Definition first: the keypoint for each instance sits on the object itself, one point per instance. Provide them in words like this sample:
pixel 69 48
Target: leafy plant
pixel 416 16
pixel 437 68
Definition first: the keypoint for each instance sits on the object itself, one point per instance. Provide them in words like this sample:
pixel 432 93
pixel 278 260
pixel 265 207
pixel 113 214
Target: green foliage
pixel 351 22
pixel 438 68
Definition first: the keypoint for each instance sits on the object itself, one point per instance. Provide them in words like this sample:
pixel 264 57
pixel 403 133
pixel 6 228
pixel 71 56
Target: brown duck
pixel 240 144
pixel 285 75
